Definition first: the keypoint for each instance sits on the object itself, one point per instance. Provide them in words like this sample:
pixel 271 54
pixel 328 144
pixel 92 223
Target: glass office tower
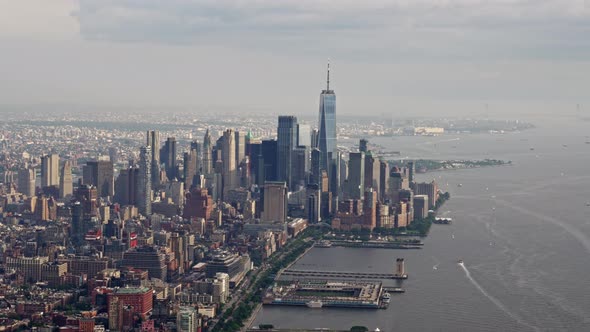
pixel 327 125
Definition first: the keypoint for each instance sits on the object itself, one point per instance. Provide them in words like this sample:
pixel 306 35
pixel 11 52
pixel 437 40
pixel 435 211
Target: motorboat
pixel 386 297
pixel 315 304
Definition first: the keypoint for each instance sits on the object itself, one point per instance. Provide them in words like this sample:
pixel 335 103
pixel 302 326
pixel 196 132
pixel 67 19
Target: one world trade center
pixel 327 126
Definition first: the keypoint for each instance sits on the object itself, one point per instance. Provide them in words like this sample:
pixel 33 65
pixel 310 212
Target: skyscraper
pixel 383 179
pixel 300 166
pixel 126 185
pixel 363 145
pixel 144 181
pixel 240 143
pixel 356 175
pixel 50 170
pixel 153 140
pixel 101 175
pixel 372 173
pixel 207 161
pixel 228 157
pixel 275 202
pixel 26 181
pixel 65 180
pixel 303 135
pixel 315 172
pixel 192 165
pixel 170 158
pixel 327 125
pixel 286 142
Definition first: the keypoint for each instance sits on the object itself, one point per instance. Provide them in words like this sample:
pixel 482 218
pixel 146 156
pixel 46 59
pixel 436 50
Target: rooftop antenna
pixel 328 80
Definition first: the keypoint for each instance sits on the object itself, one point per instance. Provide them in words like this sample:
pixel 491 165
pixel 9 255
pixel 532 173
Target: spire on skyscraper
pixel 328 80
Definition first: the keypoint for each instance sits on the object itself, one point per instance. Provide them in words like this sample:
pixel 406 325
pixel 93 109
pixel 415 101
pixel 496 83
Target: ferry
pixel 314 304
pixel 386 297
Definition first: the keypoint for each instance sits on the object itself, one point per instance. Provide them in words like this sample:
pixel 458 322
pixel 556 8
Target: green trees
pixel 359 329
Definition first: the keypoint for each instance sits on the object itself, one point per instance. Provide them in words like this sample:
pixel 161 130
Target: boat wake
pixel 494 300
pixel 573 231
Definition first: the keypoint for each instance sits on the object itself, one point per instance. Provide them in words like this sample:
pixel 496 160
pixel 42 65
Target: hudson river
pixel 523 232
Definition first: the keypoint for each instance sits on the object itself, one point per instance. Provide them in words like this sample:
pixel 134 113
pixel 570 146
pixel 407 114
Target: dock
pixel 342 275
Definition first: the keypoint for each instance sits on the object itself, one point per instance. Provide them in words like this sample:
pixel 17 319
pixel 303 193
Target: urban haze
pixel 333 165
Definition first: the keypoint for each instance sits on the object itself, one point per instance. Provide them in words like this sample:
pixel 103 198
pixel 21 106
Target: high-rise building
pixel 315 135
pixel 383 179
pixel 275 202
pixel 65 180
pixel 207 161
pixel 126 185
pixel 26 181
pixel 240 143
pixel 268 161
pixel 30 267
pixel 303 135
pixel 300 166
pixel 370 209
pixel 429 189
pixel 363 145
pixel 313 203
pixel 228 157
pixel 356 175
pixel 137 299
pixel 411 172
pixel 199 204
pixel 372 173
pixel 153 141
pixel 148 259
pixel 170 158
pixel 192 165
pixel 286 143
pixel 101 175
pixel 50 170
pixel 113 154
pixel 77 229
pixel 327 125
pixel 316 170
pixel 187 320
pixel 420 206
pixel 144 181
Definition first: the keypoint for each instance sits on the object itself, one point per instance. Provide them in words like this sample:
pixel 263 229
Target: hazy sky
pixel 388 56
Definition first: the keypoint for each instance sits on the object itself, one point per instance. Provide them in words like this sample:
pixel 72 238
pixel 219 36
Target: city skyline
pixel 460 54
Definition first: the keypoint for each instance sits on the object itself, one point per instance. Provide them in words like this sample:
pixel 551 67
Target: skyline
pixel 422 57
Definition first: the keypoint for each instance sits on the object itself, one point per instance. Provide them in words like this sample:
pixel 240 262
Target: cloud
pixel 360 29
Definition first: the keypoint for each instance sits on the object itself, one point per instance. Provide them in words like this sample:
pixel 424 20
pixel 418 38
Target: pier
pixel 378 245
pixel 342 275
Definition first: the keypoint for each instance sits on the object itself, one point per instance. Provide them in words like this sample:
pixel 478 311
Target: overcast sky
pixel 388 56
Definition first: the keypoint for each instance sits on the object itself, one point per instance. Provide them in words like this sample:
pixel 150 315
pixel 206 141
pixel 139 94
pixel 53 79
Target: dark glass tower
pixel 286 143
pixel 327 125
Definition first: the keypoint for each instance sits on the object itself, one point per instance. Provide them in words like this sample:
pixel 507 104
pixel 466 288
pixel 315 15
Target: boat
pixel 460 185
pixel 460 262
pixel 324 244
pixel 314 304
pixel 386 297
